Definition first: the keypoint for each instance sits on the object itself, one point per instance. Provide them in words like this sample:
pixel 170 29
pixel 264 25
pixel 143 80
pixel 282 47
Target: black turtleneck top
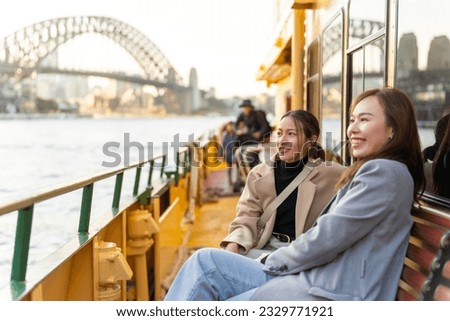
pixel 284 174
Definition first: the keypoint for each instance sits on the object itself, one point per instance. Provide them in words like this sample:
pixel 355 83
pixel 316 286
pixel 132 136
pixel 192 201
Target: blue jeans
pixel 217 275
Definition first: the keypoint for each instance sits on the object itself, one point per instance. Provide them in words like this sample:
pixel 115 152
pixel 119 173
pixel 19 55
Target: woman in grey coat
pixel 356 248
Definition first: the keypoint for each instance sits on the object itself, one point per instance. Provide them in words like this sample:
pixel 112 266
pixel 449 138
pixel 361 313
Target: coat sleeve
pixel 239 119
pixel 243 229
pixel 366 201
pixel 263 124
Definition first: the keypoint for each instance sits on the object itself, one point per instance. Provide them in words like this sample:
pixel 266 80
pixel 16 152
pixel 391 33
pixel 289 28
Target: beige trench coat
pixel 314 193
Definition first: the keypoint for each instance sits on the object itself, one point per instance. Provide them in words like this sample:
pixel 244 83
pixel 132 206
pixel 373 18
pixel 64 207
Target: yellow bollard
pixel 113 267
pixel 140 228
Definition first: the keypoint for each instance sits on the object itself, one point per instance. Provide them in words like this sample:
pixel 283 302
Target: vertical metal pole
pixel 136 181
pixel 150 173
pixel 117 192
pixel 163 164
pixel 193 186
pixel 298 55
pixel 177 163
pixel 186 165
pixel 86 206
pixel 22 244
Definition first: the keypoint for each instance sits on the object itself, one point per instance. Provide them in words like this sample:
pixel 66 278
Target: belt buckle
pixel 282 237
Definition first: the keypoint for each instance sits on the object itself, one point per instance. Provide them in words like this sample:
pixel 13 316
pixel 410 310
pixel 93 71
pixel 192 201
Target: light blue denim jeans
pixel 217 275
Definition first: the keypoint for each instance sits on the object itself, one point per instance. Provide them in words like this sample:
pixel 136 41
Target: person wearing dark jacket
pixel 439 133
pixel 441 163
pixel 252 129
pixel 255 125
pixel 435 160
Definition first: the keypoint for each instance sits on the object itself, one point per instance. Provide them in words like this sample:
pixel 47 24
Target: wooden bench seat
pixel 427 261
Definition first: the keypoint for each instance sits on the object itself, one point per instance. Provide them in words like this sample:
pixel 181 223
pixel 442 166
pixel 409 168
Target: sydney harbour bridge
pixel 33 51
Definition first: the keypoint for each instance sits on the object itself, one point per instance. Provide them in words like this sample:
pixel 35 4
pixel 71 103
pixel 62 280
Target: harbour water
pixel 41 153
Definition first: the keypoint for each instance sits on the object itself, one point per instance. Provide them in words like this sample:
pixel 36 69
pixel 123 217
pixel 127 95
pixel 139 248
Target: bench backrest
pixel 428 253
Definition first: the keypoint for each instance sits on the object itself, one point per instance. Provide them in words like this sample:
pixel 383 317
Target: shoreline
pixel 37 116
pixel 41 116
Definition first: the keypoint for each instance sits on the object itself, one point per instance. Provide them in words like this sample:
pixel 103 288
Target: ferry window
pixel 374 64
pixel 332 85
pixel 357 72
pixel 312 90
pixel 366 18
pixel 423 72
pixel 313 56
pixel 312 96
pixel 367 70
pixel 367 66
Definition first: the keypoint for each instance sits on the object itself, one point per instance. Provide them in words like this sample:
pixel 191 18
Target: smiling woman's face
pixel 368 131
pixel 291 144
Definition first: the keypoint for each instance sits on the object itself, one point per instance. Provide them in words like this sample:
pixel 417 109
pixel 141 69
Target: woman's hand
pixel 232 247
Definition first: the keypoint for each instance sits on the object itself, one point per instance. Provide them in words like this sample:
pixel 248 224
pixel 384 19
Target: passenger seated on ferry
pixel 441 163
pixel 430 152
pixel 252 128
pixel 355 249
pixel 439 133
pixel 229 145
pixel 297 151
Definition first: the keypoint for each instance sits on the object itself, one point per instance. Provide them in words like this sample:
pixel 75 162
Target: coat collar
pixel 264 186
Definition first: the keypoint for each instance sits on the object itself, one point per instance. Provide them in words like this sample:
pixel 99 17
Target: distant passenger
pixel 229 145
pixel 252 129
pixel 441 163
pixel 356 248
pixel 297 151
pixel 429 155
pixel 439 133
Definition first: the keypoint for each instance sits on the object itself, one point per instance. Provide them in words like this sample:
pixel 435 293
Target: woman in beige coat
pixel 297 151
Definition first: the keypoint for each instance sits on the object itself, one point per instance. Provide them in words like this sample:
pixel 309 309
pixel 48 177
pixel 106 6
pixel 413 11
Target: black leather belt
pixel 282 237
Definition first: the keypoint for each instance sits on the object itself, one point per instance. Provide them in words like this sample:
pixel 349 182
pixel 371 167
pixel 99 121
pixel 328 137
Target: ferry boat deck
pixel 216 213
pixel 211 220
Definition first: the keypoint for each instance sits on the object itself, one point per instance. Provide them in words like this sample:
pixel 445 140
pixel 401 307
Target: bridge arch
pixel 27 47
pixel 359 29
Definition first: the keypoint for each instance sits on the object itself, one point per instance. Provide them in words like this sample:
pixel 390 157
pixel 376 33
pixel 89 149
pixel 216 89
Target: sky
pixel 225 40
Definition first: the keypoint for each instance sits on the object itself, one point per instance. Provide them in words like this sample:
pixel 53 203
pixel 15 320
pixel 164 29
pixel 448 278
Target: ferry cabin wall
pixel 282 98
pixel 349 46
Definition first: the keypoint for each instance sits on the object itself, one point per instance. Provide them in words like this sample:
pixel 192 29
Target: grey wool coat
pixel 355 251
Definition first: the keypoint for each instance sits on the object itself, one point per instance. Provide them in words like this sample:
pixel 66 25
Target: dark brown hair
pixel 308 124
pixel 405 143
pixel 440 172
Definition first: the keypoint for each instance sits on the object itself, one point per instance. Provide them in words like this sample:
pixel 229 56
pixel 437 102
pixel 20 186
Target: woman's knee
pixel 205 257
pixel 205 253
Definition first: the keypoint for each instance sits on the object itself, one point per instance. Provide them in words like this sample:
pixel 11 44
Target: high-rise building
pixel 407 55
pixel 439 54
pixel 195 98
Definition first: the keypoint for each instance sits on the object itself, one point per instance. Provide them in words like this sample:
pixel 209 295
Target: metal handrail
pixel 25 209
pixel 179 162
pixel 55 191
pixel 424 207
